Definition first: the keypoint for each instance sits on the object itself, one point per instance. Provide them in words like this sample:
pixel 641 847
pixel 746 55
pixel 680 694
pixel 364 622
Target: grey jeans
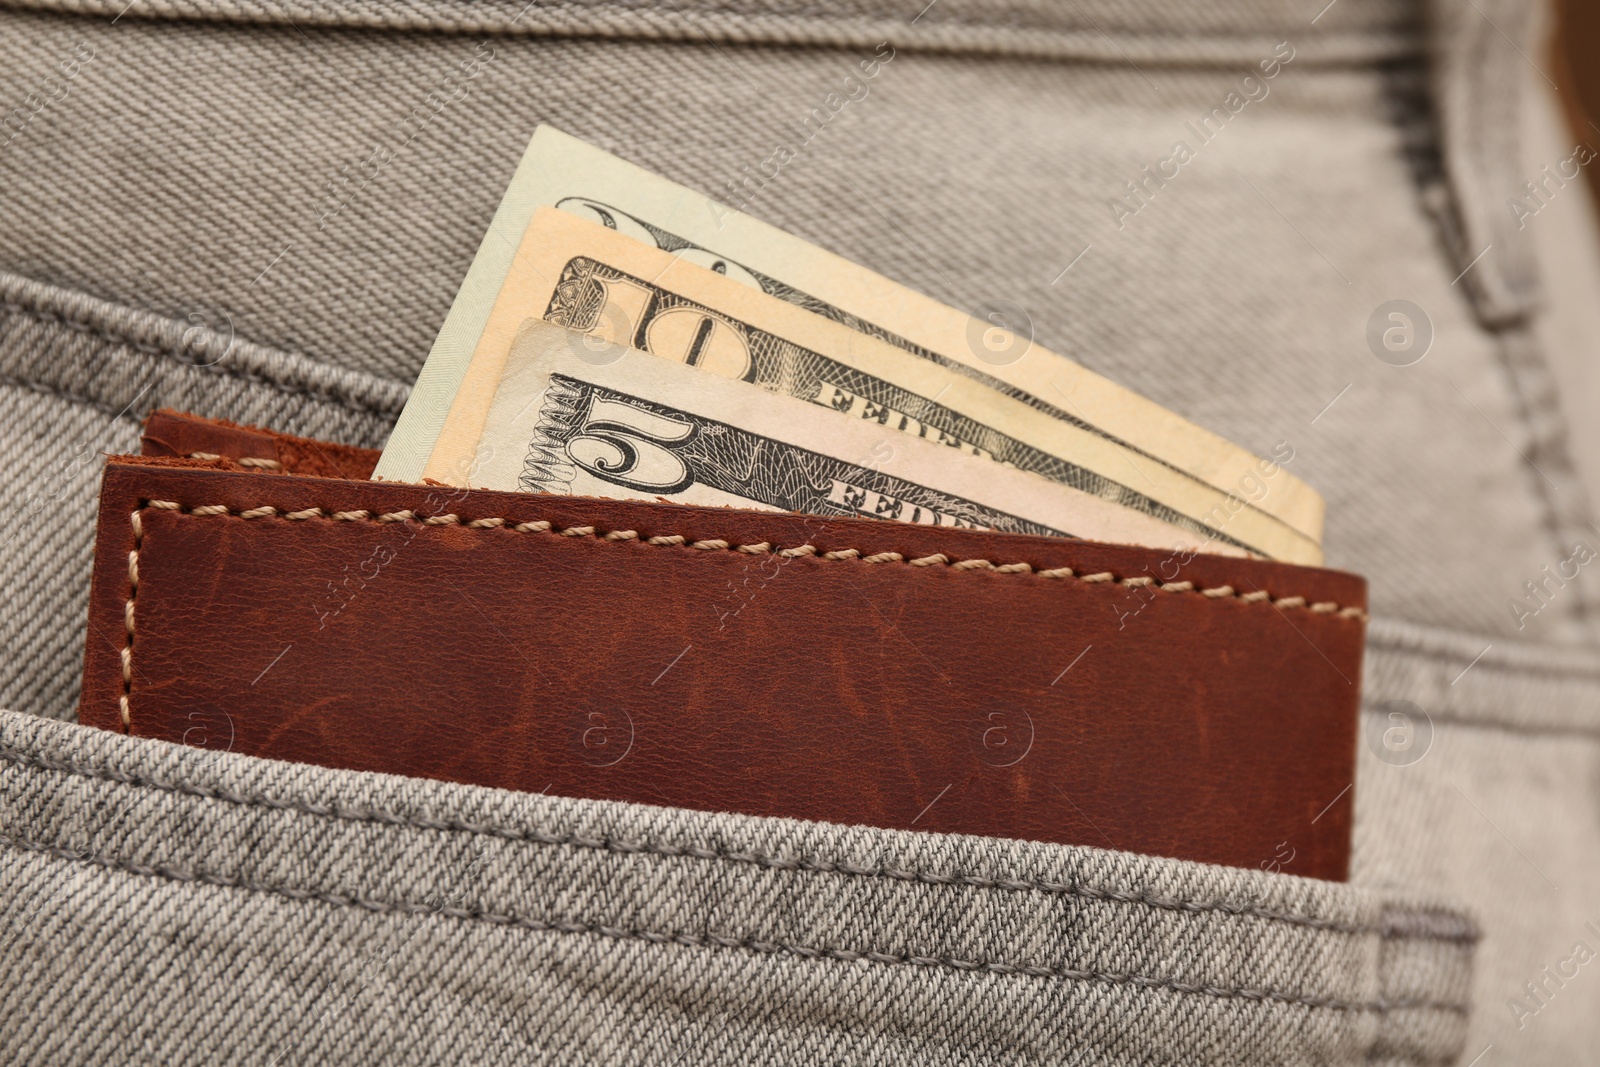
pixel 196 216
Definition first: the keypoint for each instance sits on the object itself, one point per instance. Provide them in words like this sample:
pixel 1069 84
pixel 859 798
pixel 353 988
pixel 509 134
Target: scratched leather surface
pixel 883 694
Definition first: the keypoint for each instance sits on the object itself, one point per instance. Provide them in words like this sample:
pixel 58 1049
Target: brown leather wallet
pixel 844 670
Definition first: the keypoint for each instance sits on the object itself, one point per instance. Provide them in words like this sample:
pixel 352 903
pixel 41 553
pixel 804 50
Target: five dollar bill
pixel 638 273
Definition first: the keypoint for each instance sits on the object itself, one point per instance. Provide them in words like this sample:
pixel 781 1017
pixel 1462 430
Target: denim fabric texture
pixel 194 219
pixel 292 914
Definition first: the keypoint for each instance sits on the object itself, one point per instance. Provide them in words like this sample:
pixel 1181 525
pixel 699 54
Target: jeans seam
pixel 58 393
pixel 1461 931
pixel 759 946
pixel 108 336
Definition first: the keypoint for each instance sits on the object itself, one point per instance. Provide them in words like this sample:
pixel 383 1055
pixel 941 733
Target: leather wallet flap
pixel 775 664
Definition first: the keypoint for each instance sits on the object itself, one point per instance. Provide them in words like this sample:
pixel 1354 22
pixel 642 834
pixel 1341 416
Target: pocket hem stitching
pixel 752 944
pixel 1443 929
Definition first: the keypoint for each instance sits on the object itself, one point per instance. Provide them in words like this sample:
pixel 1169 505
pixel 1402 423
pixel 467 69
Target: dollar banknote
pixel 559 170
pixel 581 275
pixel 577 415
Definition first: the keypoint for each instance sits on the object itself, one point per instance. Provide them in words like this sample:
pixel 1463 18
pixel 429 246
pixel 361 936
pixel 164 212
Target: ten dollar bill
pixel 584 276
pixel 560 170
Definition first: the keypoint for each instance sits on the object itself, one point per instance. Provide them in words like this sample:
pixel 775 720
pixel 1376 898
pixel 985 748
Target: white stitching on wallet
pixel 127 618
pixel 938 559
pixel 243 461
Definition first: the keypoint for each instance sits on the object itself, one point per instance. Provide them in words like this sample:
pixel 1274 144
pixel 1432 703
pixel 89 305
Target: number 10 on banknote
pixel 732 296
